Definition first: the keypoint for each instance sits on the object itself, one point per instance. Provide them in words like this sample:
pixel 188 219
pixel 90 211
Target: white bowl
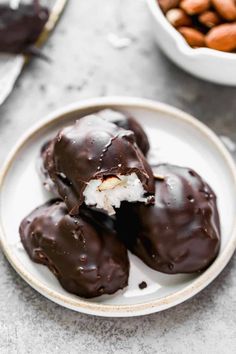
pixel 205 63
pixel 175 137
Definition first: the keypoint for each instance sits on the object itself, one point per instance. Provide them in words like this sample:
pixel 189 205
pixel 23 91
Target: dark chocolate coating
pixel 43 173
pixel 20 28
pixel 93 148
pixel 181 232
pixel 83 252
pixel 126 122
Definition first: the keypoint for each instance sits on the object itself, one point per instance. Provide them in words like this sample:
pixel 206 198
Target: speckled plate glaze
pixel 175 137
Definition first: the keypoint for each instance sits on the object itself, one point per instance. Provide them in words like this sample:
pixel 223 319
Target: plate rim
pixel 109 310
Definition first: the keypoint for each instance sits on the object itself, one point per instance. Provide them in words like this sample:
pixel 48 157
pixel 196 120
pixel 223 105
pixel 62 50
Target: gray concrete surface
pixel 86 65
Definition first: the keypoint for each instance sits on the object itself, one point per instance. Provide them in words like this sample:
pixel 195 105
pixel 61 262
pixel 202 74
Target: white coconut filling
pixel 109 193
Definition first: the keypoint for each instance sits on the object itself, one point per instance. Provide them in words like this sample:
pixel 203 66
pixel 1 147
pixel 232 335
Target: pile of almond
pixel 204 23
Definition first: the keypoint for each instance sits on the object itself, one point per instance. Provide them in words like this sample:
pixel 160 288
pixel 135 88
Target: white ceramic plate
pixel 175 137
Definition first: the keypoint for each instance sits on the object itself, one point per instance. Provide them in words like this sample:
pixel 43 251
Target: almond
pixel 177 17
pixel 109 183
pixel 194 7
pixel 194 37
pixel 166 5
pixel 222 37
pixel 209 19
pixel 226 8
pixel 159 177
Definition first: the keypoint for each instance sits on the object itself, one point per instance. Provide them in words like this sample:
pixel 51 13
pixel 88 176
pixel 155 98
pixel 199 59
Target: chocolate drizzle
pixel 181 232
pixel 82 252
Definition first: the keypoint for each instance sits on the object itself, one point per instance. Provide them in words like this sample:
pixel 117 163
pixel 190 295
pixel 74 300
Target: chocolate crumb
pixel 142 285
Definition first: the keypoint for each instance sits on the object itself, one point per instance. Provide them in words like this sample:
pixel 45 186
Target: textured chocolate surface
pixel 93 148
pixel 83 252
pixel 43 173
pixel 181 232
pixel 118 118
pixel 20 28
pixel 126 122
